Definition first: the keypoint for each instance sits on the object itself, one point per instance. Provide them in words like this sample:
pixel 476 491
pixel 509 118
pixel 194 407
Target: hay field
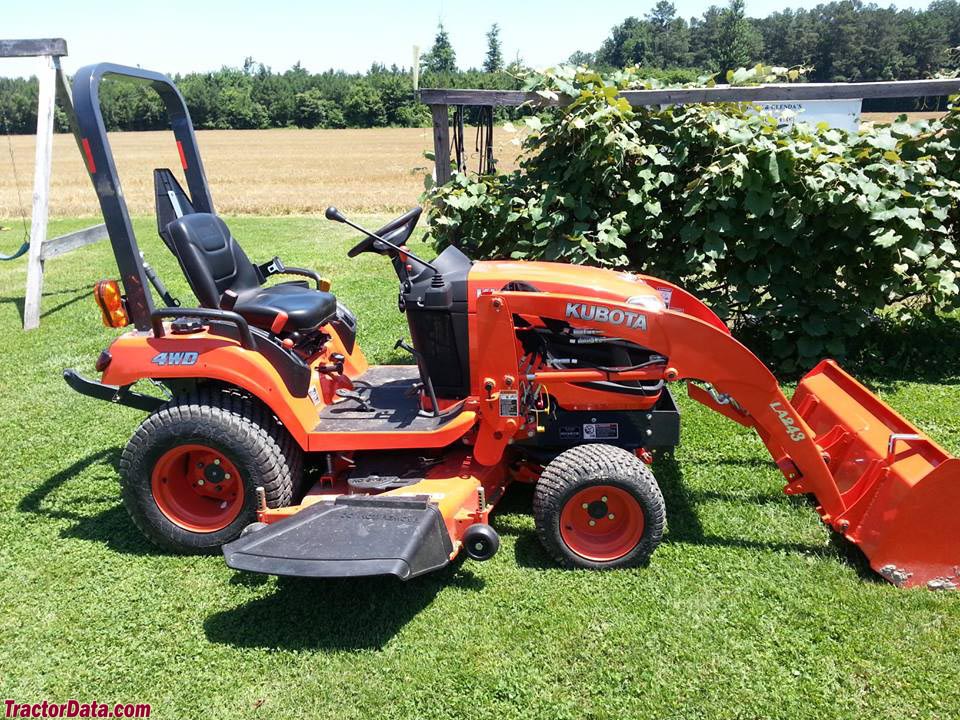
pixel 886 117
pixel 251 172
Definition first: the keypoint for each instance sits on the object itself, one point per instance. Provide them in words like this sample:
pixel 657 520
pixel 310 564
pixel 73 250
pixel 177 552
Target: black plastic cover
pixel 345 325
pixel 438 321
pixel 351 537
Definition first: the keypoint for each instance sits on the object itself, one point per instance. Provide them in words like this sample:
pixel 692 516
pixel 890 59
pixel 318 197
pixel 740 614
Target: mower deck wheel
pixel 598 506
pixel 190 471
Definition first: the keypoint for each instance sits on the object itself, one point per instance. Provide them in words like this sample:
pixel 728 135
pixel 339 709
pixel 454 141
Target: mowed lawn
pixel 748 610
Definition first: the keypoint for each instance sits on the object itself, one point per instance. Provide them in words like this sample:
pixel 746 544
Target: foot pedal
pixel 361 401
pixel 353 536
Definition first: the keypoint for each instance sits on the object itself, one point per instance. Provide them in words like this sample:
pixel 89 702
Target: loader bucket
pixel 900 491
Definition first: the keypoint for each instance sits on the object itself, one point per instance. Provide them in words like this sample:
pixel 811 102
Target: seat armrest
pixel 276 267
pixel 322 283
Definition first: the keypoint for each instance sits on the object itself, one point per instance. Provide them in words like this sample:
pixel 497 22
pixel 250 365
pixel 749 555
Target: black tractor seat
pixel 223 278
pixel 303 307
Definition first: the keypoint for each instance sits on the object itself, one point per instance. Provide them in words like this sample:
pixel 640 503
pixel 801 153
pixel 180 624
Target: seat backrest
pixel 210 257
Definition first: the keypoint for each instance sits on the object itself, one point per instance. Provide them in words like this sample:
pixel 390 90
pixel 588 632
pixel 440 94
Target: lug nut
pixel 200 481
pixel 592 523
pixel 217 461
pixel 584 506
pixel 603 499
pixel 226 476
pixel 610 516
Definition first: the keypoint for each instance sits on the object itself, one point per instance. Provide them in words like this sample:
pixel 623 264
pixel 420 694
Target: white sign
pixel 840 114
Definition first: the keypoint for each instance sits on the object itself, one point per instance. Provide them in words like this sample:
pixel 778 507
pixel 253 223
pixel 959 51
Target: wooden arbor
pixel 52 83
pixel 440 100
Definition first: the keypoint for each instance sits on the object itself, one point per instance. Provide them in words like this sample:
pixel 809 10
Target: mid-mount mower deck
pixel 281 444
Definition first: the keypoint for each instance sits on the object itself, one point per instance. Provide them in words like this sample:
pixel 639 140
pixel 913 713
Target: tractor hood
pixel 563 279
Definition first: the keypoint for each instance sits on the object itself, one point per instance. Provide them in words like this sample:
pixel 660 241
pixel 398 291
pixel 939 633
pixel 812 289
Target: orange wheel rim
pixel 197 488
pixel 601 523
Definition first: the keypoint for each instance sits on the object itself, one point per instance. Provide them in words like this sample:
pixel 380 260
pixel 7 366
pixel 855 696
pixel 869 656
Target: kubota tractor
pixel 280 443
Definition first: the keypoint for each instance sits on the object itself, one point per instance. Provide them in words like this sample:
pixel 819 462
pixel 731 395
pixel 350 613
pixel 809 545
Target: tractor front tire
pixel 189 473
pixel 599 507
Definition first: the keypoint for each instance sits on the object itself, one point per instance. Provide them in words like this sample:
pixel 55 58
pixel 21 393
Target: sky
pixel 176 36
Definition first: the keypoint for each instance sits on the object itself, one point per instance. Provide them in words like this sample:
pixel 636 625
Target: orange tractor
pixel 279 442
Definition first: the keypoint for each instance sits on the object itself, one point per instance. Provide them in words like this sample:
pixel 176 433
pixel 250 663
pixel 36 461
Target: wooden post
pixel 441 142
pixel 47 76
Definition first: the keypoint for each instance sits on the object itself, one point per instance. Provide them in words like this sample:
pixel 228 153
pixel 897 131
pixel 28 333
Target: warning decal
pixel 601 431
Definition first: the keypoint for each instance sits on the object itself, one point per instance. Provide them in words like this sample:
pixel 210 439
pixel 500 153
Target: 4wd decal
pixel 175 358
pixel 613 316
pixel 795 433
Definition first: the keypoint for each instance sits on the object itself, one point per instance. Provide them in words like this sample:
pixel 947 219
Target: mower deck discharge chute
pixel 349 536
pixel 279 442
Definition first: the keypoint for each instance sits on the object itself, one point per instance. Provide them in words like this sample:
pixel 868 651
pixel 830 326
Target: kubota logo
pixel 613 316
pixel 175 358
pixel 795 433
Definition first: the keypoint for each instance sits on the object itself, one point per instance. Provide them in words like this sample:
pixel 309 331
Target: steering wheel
pixel 397 231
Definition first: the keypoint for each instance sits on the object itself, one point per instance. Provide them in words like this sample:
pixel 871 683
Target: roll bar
pixel 91 135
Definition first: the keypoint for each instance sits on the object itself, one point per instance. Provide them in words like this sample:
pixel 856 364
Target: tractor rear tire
pixel 598 506
pixel 189 473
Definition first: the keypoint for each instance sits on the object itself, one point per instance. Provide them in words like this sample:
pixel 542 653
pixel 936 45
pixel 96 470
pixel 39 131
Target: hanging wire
pixel 457 139
pixel 484 141
pixel 16 180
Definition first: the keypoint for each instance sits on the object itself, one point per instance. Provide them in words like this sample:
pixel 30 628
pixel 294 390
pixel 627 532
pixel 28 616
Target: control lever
pixel 361 401
pixel 428 383
pixel 158 283
pixel 336 366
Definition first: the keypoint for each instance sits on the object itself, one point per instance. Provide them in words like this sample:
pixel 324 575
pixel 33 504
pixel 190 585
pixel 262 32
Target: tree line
pixel 839 41
pixel 846 41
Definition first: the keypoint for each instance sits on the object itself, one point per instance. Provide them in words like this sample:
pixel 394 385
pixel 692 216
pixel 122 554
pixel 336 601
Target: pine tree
pixel 494 60
pixel 738 43
pixel 441 58
pixel 670 37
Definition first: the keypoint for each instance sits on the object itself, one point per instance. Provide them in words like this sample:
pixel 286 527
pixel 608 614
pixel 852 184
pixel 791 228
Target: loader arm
pixel 876 478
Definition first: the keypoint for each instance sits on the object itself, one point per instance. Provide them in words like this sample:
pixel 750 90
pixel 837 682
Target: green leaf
pixel 757 275
pixel 809 347
pixel 888 239
pixel 815 326
pixel 759 202
pixel 773 169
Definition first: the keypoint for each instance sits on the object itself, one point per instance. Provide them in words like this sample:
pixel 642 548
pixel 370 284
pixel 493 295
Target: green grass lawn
pixel 749 609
